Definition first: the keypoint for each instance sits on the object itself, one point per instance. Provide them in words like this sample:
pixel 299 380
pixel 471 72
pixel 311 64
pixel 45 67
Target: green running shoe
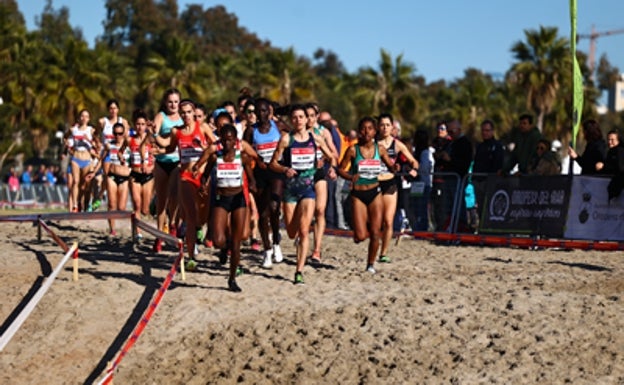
pixel 191 265
pixel 299 278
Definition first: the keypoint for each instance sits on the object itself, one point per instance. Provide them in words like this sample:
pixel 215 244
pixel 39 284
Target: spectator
pixel 489 155
pixel 524 145
pixel 26 177
pixel 441 144
pixel 13 180
pixel 545 162
pixel 40 175
pixel 614 164
pixel 50 179
pixel 592 160
pixel 421 190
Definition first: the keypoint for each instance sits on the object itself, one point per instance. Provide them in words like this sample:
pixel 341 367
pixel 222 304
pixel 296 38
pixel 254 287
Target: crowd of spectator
pixel 49 175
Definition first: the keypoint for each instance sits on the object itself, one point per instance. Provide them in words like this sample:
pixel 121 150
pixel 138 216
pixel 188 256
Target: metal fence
pixel 33 196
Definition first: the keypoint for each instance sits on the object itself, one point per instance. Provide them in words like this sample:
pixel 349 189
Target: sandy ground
pixel 437 314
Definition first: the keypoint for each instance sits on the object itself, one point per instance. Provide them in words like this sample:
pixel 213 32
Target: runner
pixel 361 165
pixel 390 183
pixel 299 149
pixel 229 213
pixel 265 137
pixel 320 183
pixel 82 148
pixel 107 136
pixel 142 165
pixel 118 153
pixel 166 172
pixel 191 139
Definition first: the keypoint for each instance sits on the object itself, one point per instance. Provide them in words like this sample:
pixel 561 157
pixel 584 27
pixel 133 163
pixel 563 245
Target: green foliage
pixel 148 46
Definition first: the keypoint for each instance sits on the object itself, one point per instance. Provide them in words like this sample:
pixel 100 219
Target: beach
pixel 437 314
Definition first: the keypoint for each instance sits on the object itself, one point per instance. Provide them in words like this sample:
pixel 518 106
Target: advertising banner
pixel 591 215
pixel 531 205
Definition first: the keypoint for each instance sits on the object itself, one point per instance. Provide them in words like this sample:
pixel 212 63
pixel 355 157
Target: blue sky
pixel 440 37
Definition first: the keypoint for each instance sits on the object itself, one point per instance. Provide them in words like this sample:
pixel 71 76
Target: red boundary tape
pixel 498 240
pixel 144 320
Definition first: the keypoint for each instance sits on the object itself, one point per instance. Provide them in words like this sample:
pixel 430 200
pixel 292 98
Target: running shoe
pixel 233 286
pixel 138 237
pixel 200 236
pixel 299 278
pixel 370 269
pixel 208 243
pixel 268 256
pixel 315 257
pixel 157 245
pixel 384 259
pixel 191 265
pixel 277 254
pixel 223 255
pixel 255 245
pixel 96 204
pixel 196 250
pixel 239 271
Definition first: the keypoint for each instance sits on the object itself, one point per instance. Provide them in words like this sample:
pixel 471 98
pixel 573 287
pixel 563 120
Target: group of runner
pixel 238 171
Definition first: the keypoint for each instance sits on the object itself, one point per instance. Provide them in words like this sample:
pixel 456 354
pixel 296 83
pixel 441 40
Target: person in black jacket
pixel 458 158
pixel 592 160
pixel 489 155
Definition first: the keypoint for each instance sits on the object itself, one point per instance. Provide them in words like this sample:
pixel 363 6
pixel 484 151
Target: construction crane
pixel 593 36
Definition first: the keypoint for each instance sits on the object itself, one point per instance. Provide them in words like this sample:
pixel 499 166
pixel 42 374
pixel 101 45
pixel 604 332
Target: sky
pixel 441 38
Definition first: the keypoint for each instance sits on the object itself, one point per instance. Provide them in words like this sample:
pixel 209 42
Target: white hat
pixel 556 144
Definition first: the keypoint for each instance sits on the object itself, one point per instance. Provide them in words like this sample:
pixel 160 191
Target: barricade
pixel 36 195
pixel 17 323
pixel 39 219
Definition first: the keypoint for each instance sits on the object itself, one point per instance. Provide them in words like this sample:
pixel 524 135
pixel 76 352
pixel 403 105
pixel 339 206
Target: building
pixel 616 96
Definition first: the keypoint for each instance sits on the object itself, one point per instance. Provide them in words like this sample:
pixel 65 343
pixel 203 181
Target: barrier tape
pixel 144 320
pixel 168 238
pixel 499 240
pixel 96 215
pixel 14 327
pixel 56 238
pixel 493 240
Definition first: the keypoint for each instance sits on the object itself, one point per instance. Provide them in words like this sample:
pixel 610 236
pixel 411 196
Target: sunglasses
pixel 541 148
pixel 250 111
pixel 118 133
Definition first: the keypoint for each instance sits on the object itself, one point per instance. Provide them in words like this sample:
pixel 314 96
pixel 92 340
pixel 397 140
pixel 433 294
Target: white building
pixel 616 96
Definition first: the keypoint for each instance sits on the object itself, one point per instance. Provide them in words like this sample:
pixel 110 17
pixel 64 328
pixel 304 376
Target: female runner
pixel 388 182
pixel 298 149
pixel 364 159
pixel 229 216
pixel 191 139
pixel 142 166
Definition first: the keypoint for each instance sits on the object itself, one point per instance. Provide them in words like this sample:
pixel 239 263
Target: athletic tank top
pixel 191 146
pixel 229 174
pixel 368 169
pixel 301 156
pixel 318 130
pixel 81 140
pixel 116 156
pixel 165 129
pixel 392 154
pixel 266 144
pixel 135 154
pixel 107 130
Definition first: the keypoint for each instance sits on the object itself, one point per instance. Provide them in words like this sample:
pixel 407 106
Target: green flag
pixel 577 78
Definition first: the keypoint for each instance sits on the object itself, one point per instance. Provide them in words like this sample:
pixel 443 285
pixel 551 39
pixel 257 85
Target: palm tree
pixel 542 62
pixel 393 88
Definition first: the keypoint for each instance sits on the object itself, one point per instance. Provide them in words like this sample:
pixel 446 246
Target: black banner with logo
pixel 532 205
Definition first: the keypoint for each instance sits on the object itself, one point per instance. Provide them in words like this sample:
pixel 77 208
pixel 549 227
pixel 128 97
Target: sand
pixel 437 314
